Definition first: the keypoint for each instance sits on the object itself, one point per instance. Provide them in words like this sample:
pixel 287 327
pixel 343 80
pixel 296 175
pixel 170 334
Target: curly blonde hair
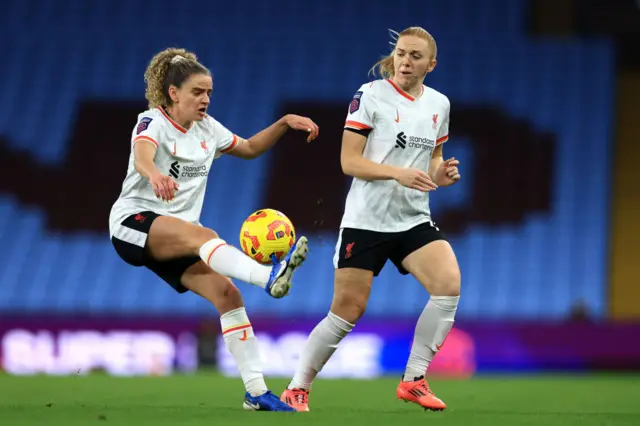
pixel 170 67
pixel 384 67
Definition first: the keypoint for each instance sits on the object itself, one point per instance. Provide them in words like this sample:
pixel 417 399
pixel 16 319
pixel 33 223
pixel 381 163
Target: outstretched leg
pixel 170 238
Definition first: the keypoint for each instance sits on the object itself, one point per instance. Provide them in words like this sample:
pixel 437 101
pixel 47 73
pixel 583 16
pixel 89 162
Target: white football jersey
pixel 403 132
pixel 185 155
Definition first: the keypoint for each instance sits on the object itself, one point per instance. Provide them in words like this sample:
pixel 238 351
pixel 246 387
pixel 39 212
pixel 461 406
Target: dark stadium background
pixel 544 118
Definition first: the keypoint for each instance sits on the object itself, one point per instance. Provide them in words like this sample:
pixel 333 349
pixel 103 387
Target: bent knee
pixel 349 307
pixel 200 236
pixel 447 283
pixel 351 293
pixel 206 234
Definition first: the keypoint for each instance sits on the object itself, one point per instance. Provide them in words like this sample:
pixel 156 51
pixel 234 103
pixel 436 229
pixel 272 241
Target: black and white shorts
pixel 130 239
pixel 370 250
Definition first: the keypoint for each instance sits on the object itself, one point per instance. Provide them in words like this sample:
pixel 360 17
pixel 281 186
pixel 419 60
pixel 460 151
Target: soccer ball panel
pixel 267 233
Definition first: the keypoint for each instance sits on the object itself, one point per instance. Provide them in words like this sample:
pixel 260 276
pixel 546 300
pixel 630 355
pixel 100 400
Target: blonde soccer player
pixel 392 145
pixel 155 222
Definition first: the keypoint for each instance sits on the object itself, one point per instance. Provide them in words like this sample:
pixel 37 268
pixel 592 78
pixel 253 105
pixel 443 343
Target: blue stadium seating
pixel 263 52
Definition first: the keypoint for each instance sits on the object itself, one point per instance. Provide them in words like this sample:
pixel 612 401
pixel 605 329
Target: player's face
pixel 194 97
pixel 412 60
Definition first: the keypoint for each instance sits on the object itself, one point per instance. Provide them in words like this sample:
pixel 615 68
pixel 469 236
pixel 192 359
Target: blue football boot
pixel 265 402
pixel 280 279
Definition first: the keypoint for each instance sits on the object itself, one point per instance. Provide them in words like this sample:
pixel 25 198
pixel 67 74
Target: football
pixel 267 235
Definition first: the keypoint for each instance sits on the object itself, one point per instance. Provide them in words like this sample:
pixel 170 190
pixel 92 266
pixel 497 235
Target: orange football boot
pixel 418 392
pixel 296 398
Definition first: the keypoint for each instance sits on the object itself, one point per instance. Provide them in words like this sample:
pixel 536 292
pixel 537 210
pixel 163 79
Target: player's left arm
pixel 443 173
pixel 436 161
pixel 261 142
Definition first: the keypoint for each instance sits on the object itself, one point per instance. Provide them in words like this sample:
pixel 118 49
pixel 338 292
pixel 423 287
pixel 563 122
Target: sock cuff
pixel 446 303
pixel 208 248
pixel 340 323
pixel 241 311
pixel 235 321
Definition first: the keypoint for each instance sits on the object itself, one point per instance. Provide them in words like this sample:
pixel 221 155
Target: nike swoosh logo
pixel 397 116
pixel 438 347
pixel 254 406
pixel 244 335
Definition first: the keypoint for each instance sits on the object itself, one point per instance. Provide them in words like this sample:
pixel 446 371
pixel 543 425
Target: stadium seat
pixel 99 51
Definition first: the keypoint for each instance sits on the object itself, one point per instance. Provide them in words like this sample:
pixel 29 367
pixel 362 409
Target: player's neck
pixel 414 90
pixel 175 116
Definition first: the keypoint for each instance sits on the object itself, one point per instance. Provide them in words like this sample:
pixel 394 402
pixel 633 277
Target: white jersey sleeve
pixel 361 110
pixel 148 129
pixel 225 140
pixel 443 131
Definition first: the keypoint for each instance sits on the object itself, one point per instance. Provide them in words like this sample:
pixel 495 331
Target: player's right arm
pixel 354 164
pixel 164 186
pixel 145 146
pixel 360 122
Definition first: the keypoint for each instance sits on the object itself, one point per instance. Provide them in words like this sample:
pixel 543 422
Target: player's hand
pixel 305 124
pixel 416 179
pixel 448 173
pixel 164 186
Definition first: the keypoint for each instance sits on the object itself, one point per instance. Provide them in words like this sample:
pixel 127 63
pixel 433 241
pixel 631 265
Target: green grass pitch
pixel 209 399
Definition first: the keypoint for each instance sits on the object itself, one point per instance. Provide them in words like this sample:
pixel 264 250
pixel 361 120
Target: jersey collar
pixel 176 125
pixel 402 92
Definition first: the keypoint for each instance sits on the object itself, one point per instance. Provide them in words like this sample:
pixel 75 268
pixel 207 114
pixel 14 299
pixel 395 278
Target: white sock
pixel 243 345
pixel 231 262
pixel 322 343
pixel 434 324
